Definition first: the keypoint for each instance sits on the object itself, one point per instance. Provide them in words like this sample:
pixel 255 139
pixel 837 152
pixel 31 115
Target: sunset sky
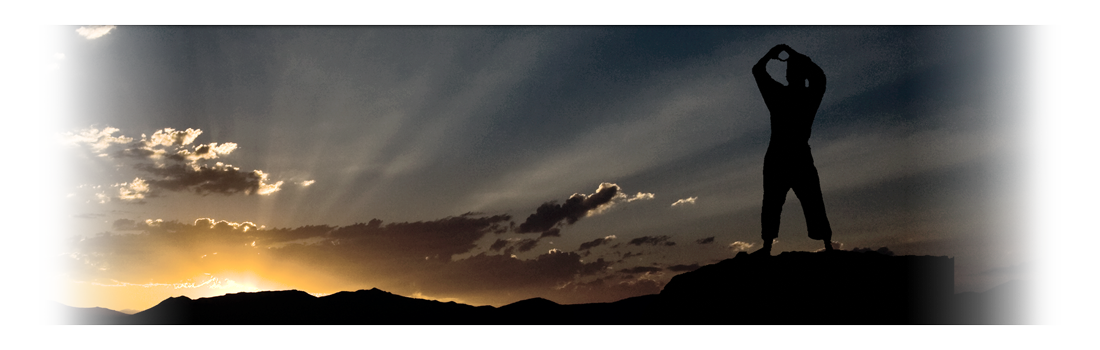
pixel 488 165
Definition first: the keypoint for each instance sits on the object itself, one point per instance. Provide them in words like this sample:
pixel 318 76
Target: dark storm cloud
pixel 881 250
pixel 206 180
pixel 1027 266
pixel 707 240
pixel 641 269
pixel 683 268
pixel 596 242
pixel 651 240
pixel 87 216
pixel 551 214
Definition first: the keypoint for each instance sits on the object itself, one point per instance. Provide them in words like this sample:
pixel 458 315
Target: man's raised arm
pixel 768 86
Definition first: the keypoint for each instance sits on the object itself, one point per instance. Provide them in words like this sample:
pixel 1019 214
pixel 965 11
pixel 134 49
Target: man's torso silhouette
pixel 788 163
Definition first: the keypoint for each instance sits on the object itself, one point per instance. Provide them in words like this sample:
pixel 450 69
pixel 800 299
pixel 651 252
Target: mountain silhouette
pixel 835 287
pixel 90 315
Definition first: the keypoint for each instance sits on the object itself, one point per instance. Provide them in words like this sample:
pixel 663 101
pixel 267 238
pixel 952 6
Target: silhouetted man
pixel 788 164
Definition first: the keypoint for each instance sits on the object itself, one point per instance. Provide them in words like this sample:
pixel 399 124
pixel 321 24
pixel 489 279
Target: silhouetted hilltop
pixel 836 275
pixel 297 307
pixel 839 287
pixel 90 315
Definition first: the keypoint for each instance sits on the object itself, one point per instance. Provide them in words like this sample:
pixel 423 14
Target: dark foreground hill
pixel 837 287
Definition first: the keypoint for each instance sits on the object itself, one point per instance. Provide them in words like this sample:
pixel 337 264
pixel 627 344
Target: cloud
pixel 1029 266
pixel 596 242
pixel 306 183
pixel 637 197
pixel 551 214
pixel 50 67
pixel 740 246
pixel 683 268
pixel 87 216
pixel 359 243
pixel 684 201
pixel 641 269
pixel 498 245
pixel 654 240
pixel 554 232
pixel 94 32
pixel 98 139
pixel 141 152
pixel 206 180
pixel 188 175
pixel 207 151
pixel 134 190
pixel 881 250
pixel 707 240
pixel 526 244
pixel 168 143
pixel 172 137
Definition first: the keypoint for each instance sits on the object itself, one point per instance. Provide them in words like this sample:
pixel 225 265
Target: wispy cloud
pixel 596 242
pixel 636 197
pixel 94 32
pixel 740 246
pixel 98 139
pixel 690 200
pixel 652 240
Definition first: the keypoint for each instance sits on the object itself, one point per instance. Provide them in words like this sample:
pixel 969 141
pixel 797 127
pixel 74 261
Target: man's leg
pixel 775 193
pixel 808 189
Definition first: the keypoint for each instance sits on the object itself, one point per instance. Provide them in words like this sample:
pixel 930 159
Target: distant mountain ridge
pixel 839 287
